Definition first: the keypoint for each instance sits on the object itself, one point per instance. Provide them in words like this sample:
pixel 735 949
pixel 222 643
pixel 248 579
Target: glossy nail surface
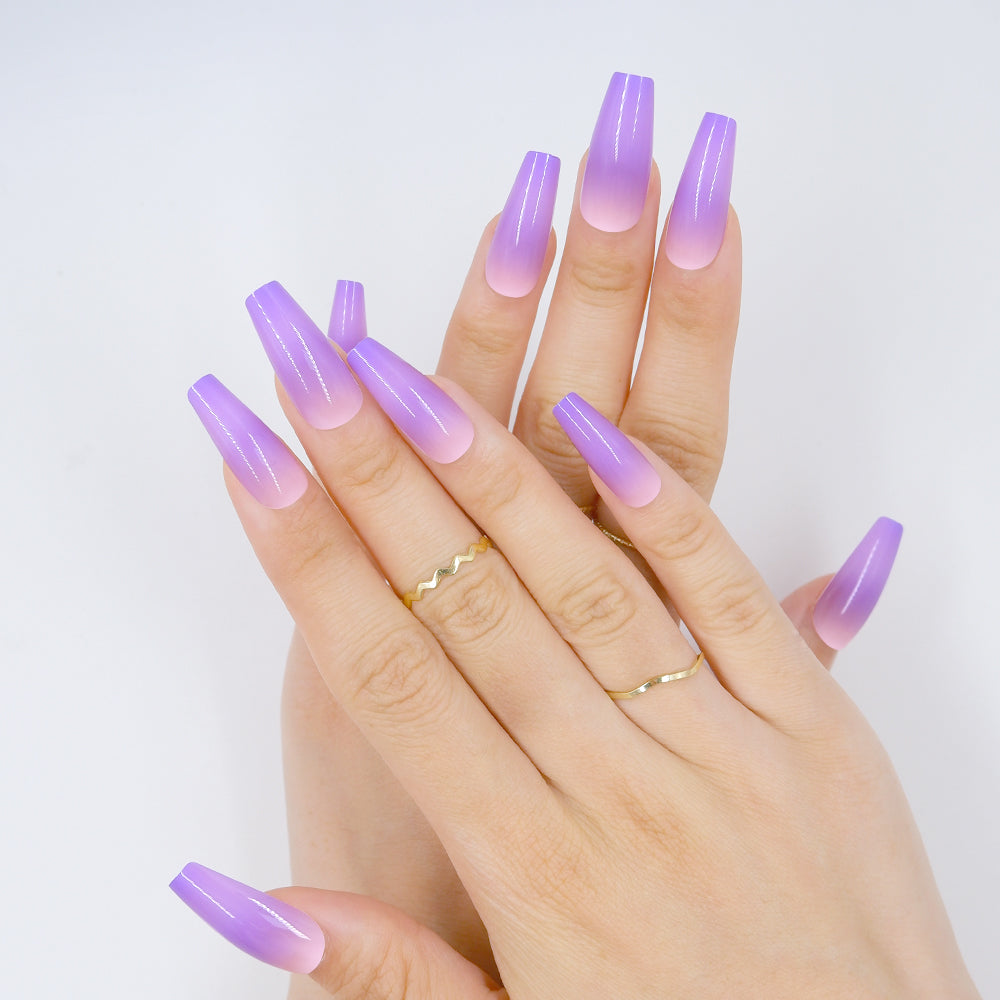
pixel 348 323
pixel 314 375
pixel 257 456
pixel 697 221
pixel 616 177
pixel 517 252
pixel 255 922
pixel 608 451
pixel 851 596
pixel 423 411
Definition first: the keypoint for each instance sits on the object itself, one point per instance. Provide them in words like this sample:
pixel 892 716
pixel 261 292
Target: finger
pixel 354 947
pixel 599 297
pixel 387 671
pixel 377 952
pixel 589 592
pixel 352 826
pixel 679 403
pixel 752 646
pixel 488 335
pixel 799 607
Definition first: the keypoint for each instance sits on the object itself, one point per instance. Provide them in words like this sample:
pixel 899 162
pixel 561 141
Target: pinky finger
pixel 799 606
pixel 487 337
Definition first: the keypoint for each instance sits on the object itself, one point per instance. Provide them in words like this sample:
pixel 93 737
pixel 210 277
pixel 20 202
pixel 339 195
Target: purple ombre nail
pixel 517 252
pixel 255 922
pixel 259 459
pixel 851 596
pixel 698 216
pixel 616 178
pixel 314 375
pixel 423 411
pixel 608 451
pixel 348 324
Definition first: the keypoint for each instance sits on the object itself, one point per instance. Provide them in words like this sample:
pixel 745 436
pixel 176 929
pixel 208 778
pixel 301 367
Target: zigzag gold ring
pixel 654 681
pixel 439 574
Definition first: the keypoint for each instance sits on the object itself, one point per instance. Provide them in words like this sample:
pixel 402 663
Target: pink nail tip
pixel 850 597
pixel 348 320
pixel 259 924
pixel 313 374
pixel 420 408
pixel 615 459
pixel 258 458
pixel 616 178
pixel 517 253
pixel 697 223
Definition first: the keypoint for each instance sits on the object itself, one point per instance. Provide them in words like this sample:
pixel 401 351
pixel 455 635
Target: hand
pixel 351 825
pixel 737 832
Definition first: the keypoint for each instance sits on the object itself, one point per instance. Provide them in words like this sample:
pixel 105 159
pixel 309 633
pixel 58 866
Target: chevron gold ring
pixel 439 574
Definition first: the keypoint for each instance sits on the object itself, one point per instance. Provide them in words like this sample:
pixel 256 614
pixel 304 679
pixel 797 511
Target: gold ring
pixel 617 539
pixel 439 574
pixel 654 681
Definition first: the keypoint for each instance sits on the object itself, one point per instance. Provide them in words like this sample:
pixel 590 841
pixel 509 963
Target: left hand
pixel 738 830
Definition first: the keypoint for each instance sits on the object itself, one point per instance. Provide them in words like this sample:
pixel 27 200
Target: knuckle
pixel 484 334
pixel 548 442
pixel 688 537
pixel 475 610
pixel 374 967
pixel 737 608
pixel 598 608
pixel 607 279
pixel 394 677
pixel 692 448
pixel 372 469
pixel 495 495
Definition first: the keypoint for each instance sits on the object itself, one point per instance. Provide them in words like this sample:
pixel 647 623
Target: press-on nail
pixel 314 375
pixel 348 324
pixel 255 922
pixel 851 596
pixel 697 221
pixel 260 460
pixel 616 177
pixel 423 411
pixel 608 451
pixel 517 252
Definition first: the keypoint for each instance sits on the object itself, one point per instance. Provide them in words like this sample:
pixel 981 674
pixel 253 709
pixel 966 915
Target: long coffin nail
pixel 260 460
pixel 616 179
pixel 851 596
pixel 517 252
pixel 348 324
pixel 697 221
pixel 608 451
pixel 314 375
pixel 255 922
pixel 423 411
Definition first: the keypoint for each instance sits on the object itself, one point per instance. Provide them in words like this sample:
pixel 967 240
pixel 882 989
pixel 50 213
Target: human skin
pixel 740 833
pixel 351 826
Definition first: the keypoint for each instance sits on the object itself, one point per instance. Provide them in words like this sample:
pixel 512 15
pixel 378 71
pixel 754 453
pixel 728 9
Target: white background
pixel 158 162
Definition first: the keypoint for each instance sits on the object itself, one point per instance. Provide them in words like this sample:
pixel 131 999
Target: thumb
pixel 356 948
pixel 799 606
